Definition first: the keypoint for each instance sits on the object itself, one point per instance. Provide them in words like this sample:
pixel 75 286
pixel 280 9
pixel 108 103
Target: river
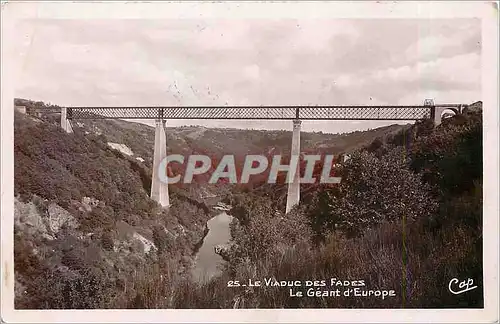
pixel 207 261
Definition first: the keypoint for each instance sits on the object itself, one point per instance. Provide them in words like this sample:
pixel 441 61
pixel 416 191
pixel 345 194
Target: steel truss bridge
pixel 159 188
pixel 263 112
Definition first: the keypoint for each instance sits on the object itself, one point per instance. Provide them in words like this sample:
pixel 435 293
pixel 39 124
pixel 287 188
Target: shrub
pixel 372 190
pixel 66 289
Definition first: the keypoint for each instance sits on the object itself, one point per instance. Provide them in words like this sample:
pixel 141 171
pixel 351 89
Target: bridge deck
pixel 258 112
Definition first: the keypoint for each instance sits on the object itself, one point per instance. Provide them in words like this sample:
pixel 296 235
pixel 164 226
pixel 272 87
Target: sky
pixel 164 62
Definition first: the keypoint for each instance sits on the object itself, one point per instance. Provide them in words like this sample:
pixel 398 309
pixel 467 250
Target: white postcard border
pixel 11 72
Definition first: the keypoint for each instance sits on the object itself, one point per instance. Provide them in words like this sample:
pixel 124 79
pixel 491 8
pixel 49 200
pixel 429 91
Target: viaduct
pixel 159 189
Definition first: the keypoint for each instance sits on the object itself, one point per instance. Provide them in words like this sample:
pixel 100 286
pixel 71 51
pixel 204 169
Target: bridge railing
pixel 258 112
pixel 255 112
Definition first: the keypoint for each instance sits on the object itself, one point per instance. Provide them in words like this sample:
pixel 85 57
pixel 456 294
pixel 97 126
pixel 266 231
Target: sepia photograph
pixel 250 156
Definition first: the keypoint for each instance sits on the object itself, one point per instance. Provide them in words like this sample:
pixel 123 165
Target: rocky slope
pixel 81 205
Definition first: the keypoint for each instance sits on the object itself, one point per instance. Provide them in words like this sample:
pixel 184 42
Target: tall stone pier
pixel 159 189
pixel 65 123
pixel 293 195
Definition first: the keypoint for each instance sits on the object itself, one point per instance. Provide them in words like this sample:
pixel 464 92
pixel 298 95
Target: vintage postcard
pixel 249 162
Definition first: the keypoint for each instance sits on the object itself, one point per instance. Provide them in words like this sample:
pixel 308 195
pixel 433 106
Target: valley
pixel 83 216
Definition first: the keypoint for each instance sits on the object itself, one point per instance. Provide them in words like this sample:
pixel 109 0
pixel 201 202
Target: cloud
pixel 441 76
pixel 252 72
pixel 249 62
pixel 465 38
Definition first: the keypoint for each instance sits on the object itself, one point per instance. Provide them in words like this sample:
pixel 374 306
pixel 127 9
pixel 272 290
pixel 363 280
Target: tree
pixel 372 190
pixel 450 159
pixel 267 232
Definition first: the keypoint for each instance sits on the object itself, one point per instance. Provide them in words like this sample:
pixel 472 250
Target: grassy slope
pixel 53 167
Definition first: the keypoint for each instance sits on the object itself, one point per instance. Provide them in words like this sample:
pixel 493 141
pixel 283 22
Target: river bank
pixel 206 261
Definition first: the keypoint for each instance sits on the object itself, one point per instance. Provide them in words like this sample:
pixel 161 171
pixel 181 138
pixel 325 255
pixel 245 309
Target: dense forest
pixel 407 216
